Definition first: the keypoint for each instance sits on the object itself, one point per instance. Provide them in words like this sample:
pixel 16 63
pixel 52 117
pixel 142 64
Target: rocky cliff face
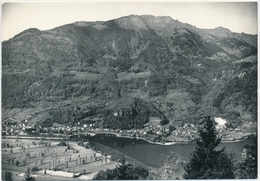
pixel 178 68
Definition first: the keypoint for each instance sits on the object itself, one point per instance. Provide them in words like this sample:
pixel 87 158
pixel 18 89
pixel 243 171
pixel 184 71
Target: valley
pixel 146 80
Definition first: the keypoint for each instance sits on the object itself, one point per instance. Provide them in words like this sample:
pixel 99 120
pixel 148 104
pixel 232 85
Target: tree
pixel 28 177
pixel 171 164
pixel 109 174
pixel 247 168
pixel 157 84
pixel 17 163
pixel 123 171
pixel 206 162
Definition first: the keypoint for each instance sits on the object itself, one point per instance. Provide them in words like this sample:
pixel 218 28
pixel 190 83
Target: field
pixel 59 161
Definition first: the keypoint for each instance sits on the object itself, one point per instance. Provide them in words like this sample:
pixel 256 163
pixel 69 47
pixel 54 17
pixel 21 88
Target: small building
pixel 220 123
pixel 22 133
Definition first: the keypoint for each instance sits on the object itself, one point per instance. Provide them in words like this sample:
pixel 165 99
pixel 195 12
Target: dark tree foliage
pixel 123 171
pixel 247 168
pixel 206 162
pixel 157 84
pixel 47 123
pixel 29 177
pixel 131 113
pixel 240 90
pixel 17 163
pixel 109 174
pixel 171 164
pixel 64 115
pixel 130 119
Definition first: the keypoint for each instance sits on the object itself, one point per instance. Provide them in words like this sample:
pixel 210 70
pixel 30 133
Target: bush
pixel 247 168
pixel 171 165
pixel 123 171
pixel 34 169
pixel 29 177
pixel 62 143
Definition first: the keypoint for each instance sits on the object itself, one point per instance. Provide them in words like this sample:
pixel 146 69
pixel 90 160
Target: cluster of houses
pixel 186 132
pixel 14 128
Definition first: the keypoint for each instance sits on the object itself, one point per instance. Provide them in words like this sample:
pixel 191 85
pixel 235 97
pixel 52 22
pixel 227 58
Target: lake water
pixel 150 154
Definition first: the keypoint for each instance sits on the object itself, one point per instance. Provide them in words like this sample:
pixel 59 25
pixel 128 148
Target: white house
pixel 220 123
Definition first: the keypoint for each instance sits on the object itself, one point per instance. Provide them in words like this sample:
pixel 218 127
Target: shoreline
pixel 116 154
pixel 138 138
pixel 177 142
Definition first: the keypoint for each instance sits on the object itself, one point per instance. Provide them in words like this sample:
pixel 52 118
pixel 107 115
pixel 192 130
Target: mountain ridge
pixel 169 64
pixel 141 17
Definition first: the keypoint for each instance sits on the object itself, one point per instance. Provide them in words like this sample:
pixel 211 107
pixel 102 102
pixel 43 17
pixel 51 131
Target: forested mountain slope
pixel 79 71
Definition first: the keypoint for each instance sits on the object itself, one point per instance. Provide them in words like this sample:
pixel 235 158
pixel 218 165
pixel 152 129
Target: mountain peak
pixel 222 32
pixel 143 64
pixel 29 32
pixel 147 16
pixel 156 17
pixel 163 25
pixel 221 28
pixel 131 22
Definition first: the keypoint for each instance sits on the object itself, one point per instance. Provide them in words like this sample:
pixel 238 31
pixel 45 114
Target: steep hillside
pixel 128 113
pixel 76 71
pixel 250 39
pixel 234 95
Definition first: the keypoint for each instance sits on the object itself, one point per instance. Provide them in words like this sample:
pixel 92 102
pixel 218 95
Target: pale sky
pixel 19 16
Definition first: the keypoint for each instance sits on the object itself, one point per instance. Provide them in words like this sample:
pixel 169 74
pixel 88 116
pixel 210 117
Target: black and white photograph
pixel 129 90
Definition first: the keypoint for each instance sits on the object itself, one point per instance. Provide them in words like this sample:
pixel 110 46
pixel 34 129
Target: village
pixel 161 134
pixel 49 152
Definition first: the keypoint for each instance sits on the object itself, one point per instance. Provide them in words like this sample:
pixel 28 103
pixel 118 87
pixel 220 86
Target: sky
pixel 19 16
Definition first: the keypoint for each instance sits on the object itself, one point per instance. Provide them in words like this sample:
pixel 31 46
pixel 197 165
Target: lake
pixel 149 153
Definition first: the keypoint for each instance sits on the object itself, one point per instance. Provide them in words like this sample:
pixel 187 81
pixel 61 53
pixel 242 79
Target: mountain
pixel 250 39
pixel 181 70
